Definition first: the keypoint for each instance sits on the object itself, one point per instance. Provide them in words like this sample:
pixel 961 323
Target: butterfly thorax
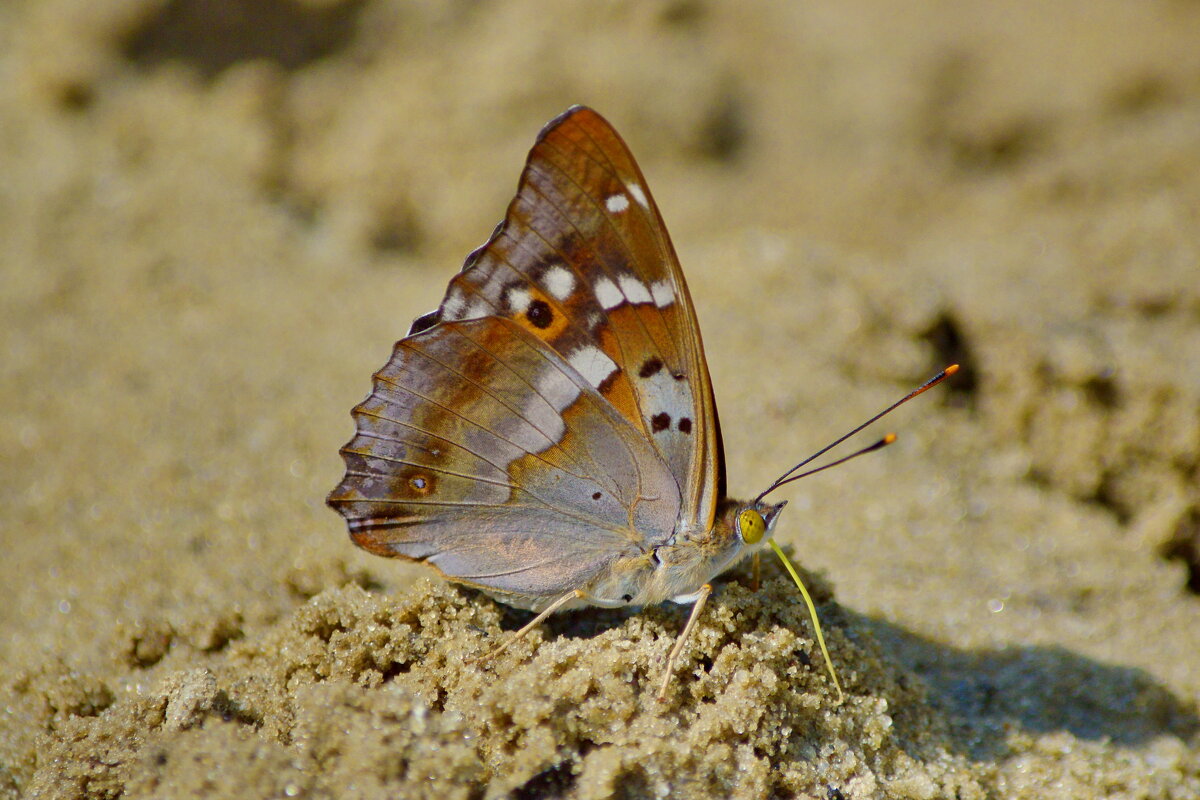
pixel 688 561
pixel 672 571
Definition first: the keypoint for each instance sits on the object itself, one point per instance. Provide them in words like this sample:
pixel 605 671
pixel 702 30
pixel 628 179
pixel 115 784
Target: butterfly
pixel 549 434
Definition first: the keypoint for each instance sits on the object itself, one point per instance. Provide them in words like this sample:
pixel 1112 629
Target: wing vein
pixel 486 390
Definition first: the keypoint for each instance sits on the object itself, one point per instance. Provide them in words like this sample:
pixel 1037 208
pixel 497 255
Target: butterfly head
pixel 742 527
pixel 755 522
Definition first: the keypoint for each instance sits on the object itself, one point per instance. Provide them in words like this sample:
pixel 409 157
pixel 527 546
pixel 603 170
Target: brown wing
pixel 482 452
pixel 583 262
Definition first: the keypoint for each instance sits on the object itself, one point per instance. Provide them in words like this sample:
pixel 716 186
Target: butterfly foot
pixel 662 690
pixel 488 655
pixel 574 594
pixel 701 598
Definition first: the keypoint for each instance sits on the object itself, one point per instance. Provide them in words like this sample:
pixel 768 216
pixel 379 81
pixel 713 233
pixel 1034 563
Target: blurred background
pixel 217 215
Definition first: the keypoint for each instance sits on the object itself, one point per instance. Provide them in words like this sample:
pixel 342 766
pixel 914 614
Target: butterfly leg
pixel 701 598
pixel 756 574
pixel 574 594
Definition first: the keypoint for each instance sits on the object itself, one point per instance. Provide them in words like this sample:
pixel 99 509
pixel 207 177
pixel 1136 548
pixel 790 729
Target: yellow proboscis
pixel 812 611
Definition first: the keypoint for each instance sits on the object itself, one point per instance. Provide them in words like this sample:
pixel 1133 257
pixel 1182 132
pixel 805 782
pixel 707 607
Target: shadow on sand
pixel 1038 689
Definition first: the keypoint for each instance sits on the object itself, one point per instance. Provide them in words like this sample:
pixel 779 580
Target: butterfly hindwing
pixel 479 427
pixel 583 262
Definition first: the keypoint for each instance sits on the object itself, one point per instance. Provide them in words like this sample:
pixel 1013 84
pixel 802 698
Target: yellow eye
pixel 751 526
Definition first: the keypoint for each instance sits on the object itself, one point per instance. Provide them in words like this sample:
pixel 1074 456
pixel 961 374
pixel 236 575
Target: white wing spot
pixel 518 299
pixel 593 364
pixel 559 391
pixel 634 290
pixel 478 309
pixel 616 203
pixel 662 293
pixel 559 282
pixel 638 195
pixel 453 305
pixel 608 294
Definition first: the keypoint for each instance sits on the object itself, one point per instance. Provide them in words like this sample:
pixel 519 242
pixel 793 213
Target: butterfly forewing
pixel 583 262
pixel 478 428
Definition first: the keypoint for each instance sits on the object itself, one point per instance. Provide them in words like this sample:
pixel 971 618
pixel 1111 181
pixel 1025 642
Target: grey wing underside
pixel 483 453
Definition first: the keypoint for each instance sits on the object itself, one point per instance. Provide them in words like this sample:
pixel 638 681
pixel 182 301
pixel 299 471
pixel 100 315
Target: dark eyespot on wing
pixel 421 484
pixel 660 422
pixel 685 425
pixel 595 495
pixel 651 367
pixel 539 314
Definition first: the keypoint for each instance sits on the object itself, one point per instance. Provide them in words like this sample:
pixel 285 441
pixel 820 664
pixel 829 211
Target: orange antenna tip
pixel 889 438
pixel 950 370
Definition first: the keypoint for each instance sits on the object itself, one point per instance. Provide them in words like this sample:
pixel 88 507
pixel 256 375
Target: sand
pixel 215 219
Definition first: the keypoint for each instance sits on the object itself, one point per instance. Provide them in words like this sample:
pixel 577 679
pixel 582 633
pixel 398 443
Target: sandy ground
pixel 215 218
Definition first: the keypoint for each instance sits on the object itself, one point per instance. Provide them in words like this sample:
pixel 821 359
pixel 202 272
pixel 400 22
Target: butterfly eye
pixel 751 526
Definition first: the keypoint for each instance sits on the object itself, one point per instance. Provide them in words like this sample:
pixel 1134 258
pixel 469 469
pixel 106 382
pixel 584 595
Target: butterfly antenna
pixel 789 476
pixel 884 442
